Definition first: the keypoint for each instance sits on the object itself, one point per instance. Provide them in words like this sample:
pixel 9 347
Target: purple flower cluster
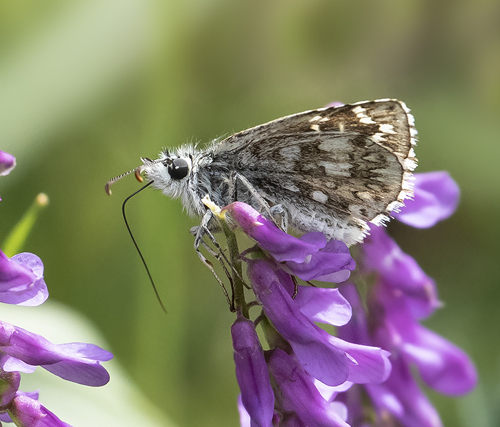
pixel 310 377
pixel 21 283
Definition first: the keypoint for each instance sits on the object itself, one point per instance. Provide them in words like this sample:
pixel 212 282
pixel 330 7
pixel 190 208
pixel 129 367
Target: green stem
pixel 237 272
pixel 16 238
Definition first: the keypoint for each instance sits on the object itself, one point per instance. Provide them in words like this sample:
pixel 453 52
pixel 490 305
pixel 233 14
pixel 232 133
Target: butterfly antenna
pixel 133 239
pixel 138 176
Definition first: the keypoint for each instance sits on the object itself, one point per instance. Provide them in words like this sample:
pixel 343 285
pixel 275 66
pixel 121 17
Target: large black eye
pixel 178 169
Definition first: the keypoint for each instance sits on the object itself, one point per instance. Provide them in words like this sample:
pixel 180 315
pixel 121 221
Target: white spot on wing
pixel 361 115
pixel 358 110
pixel 366 120
pixel 378 137
pixel 315 119
pixel 319 196
pixel 387 128
pixel 315 127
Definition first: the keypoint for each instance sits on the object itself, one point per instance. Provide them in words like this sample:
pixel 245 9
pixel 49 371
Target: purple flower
pixel 21 280
pixel 327 358
pixel 310 257
pixel 442 365
pixel 382 255
pixel 28 412
pixel 436 198
pixel 77 362
pixel 7 163
pixel 9 385
pixel 399 395
pixel 251 372
pixel 298 398
pixel 19 406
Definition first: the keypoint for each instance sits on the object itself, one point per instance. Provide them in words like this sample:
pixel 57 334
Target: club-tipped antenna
pixel 132 236
pixel 138 176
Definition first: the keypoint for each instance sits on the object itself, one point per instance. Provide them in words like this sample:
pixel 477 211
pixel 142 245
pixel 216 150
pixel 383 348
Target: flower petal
pixel 31 413
pixel 85 372
pixel 442 365
pixel 11 364
pixel 245 420
pixel 13 274
pixel 21 280
pixel 436 198
pixel 7 163
pixel 279 244
pixel 68 361
pixel 334 257
pixel 401 396
pixel 329 359
pixel 252 374
pixel 320 359
pixel 9 384
pixel 366 364
pixel 325 305
pixel 401 271
pixel 298 393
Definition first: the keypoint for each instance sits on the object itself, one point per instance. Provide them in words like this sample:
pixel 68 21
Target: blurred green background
pixel 89 86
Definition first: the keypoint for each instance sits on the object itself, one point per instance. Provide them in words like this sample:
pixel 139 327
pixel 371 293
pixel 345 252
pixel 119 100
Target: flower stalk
pixel 15 240
pixel 238 290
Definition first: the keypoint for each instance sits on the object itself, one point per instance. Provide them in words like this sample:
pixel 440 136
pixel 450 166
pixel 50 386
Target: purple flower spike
pixel 251 372
pixel 299 395
pixel 21 280
pixel 7 163
pixel 436 198
pixel 77 362
pixel 28 412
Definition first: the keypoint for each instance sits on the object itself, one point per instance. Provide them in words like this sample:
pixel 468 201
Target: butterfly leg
pixel 279 213
pixel 263 203
pixel 200 232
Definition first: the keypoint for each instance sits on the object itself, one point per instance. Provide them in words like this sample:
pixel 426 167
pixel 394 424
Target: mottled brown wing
pixel 353 161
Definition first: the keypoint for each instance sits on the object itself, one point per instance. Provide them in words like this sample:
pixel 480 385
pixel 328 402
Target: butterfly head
pixel 169 173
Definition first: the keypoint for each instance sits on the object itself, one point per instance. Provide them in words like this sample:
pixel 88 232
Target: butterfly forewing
pixel 331 168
